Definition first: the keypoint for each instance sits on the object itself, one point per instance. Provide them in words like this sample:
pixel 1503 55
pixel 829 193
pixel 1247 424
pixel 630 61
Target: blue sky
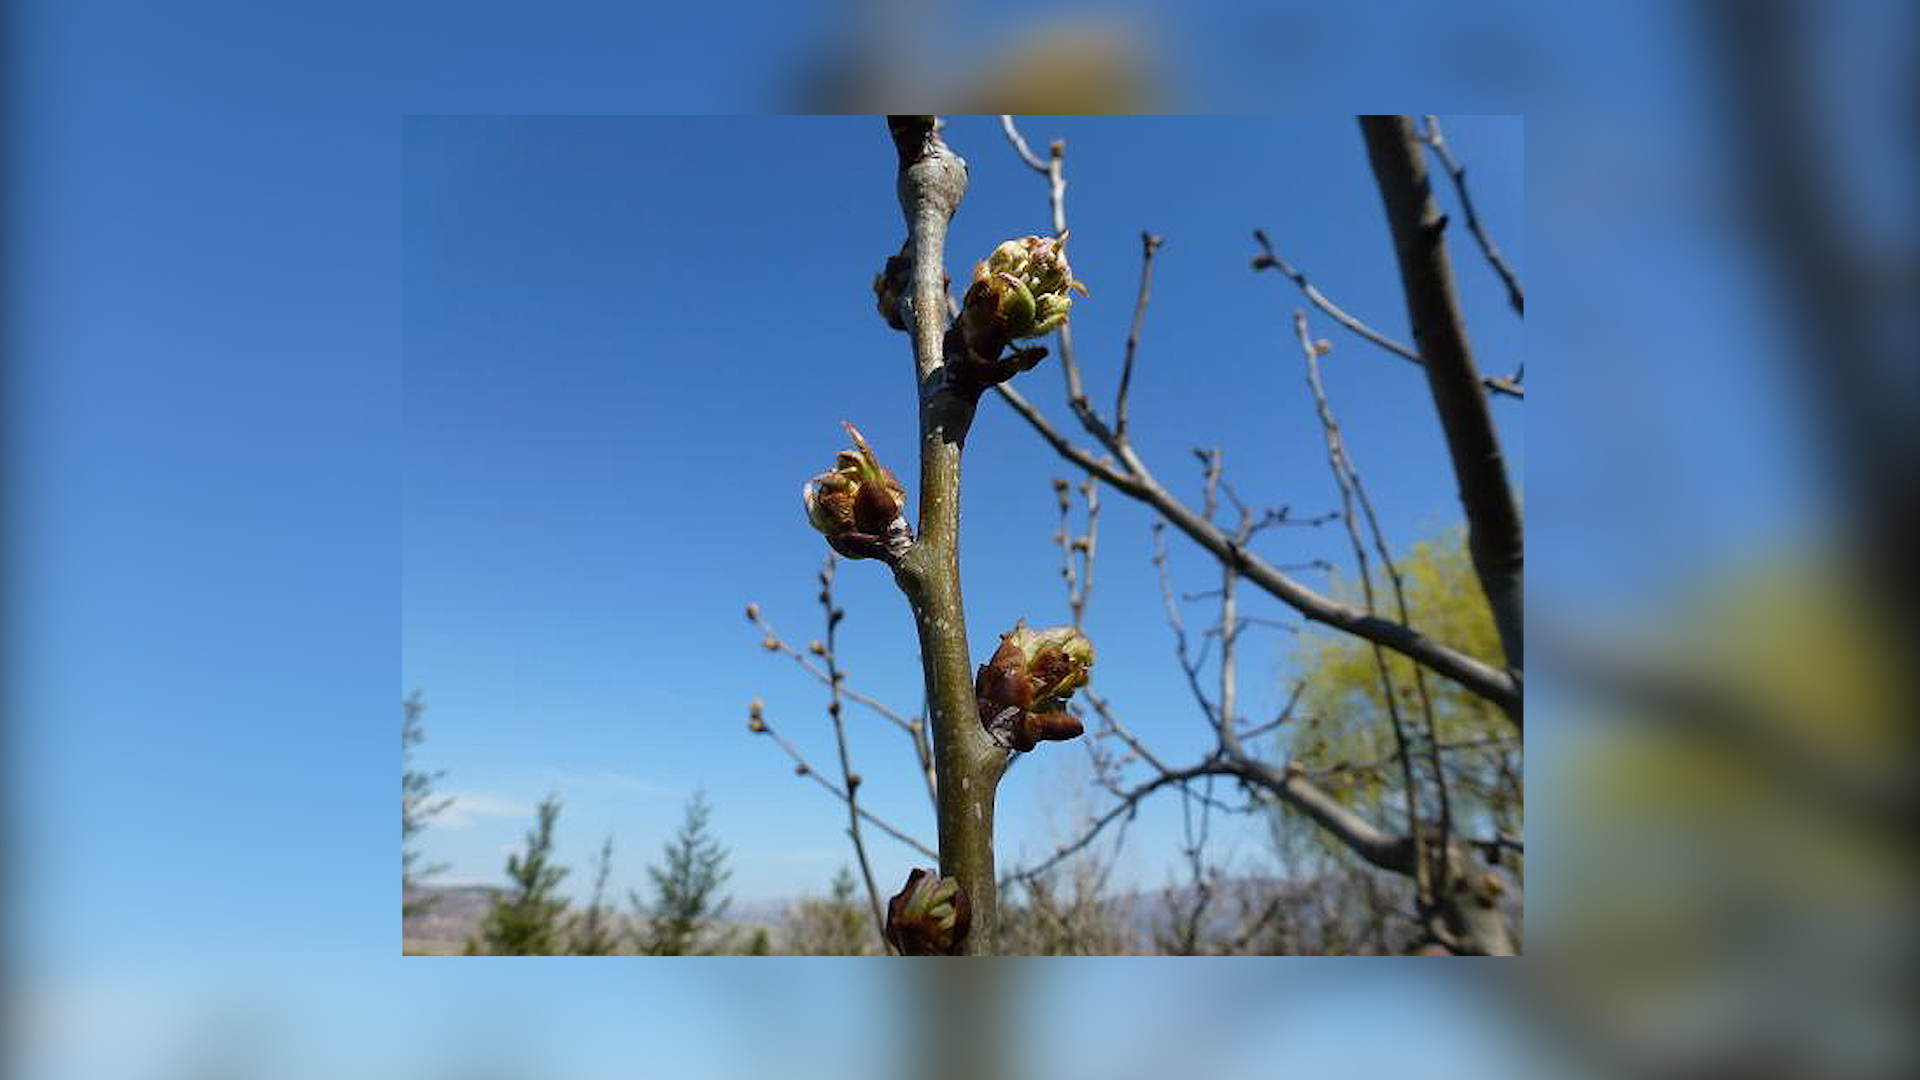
pixel 628 340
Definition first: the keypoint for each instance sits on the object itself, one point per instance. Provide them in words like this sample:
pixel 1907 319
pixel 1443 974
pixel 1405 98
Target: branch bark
pixel 968 764
pixel 1493 517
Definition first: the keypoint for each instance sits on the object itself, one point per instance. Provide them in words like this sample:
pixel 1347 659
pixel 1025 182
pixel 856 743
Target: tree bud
pixel 1020 291
pixel 892 286
pixel 1022 691
pixel 929 916
pixel 857 506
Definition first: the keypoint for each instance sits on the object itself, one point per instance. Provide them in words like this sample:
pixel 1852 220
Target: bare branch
pixel 1494 535
pixel 801 768
pixel 1436 140
pixel 848 777
pixel 914 727
pixel 1270 260
pixel 1020 145
pixel 1149 244
pixel 1500 687
pixel 1347 478
pixel 931 182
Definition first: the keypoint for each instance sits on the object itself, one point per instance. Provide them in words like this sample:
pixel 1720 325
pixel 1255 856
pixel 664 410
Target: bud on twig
pixel 1022 691
pixel 1020 291
pixel 892 287
pixel 857 506
pixel 929 916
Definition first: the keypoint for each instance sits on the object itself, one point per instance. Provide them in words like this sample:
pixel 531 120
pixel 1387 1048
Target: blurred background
pixel 204 432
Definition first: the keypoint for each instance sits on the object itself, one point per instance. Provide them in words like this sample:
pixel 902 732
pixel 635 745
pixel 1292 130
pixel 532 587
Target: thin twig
pixel 1149 244
pixel 1270 260
pixel 1436 141
pixel 1345 476
pixel 1132 478
pixel 848 777
pixel 914 727
pixel 801 767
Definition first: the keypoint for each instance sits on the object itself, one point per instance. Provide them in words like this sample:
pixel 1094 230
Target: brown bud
pixel 800 770
pixel 1046 727
pixel 853 780
pixel 816 648
pixel 1021 692
pixel 756 725
pixel 754 707
pixel 930 916
pixel 771 643
pixel 753 612
pixel 857 506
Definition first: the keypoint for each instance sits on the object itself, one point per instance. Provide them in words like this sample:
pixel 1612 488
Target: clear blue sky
pixel 628 341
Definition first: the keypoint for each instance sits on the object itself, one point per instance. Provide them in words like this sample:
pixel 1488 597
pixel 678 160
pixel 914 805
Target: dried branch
pixel 1436 141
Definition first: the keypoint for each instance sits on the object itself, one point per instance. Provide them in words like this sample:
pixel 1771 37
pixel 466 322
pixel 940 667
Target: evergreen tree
pixel 592 933
pixel 760 946
pixel 528 920
pixel 417 807
pixel 839 925
pixel 686 902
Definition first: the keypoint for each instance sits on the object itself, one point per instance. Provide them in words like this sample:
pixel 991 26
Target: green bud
pixel 929 916
pixel 857 506
pixel 1021 290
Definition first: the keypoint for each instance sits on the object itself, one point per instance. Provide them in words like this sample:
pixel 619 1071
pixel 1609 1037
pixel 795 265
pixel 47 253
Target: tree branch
pixel 847 776
pixel 932 180
pixel 800 767
pixel 1437 141
pixel 1493 517
pixel 1499 687
pixel 1268 259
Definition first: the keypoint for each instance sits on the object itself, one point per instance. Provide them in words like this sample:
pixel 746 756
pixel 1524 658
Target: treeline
pixel 684 915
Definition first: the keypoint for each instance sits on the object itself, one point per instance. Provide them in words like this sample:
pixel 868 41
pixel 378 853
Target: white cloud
pixel 563 781
pixel 469 807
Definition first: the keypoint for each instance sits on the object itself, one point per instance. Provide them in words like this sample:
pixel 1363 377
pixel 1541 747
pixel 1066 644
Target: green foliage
pixel 529 920
pixel 835 925
pixel 686 891
pixel 759 946
pixel 593 930
pixel 1345 740
pixel 417 807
